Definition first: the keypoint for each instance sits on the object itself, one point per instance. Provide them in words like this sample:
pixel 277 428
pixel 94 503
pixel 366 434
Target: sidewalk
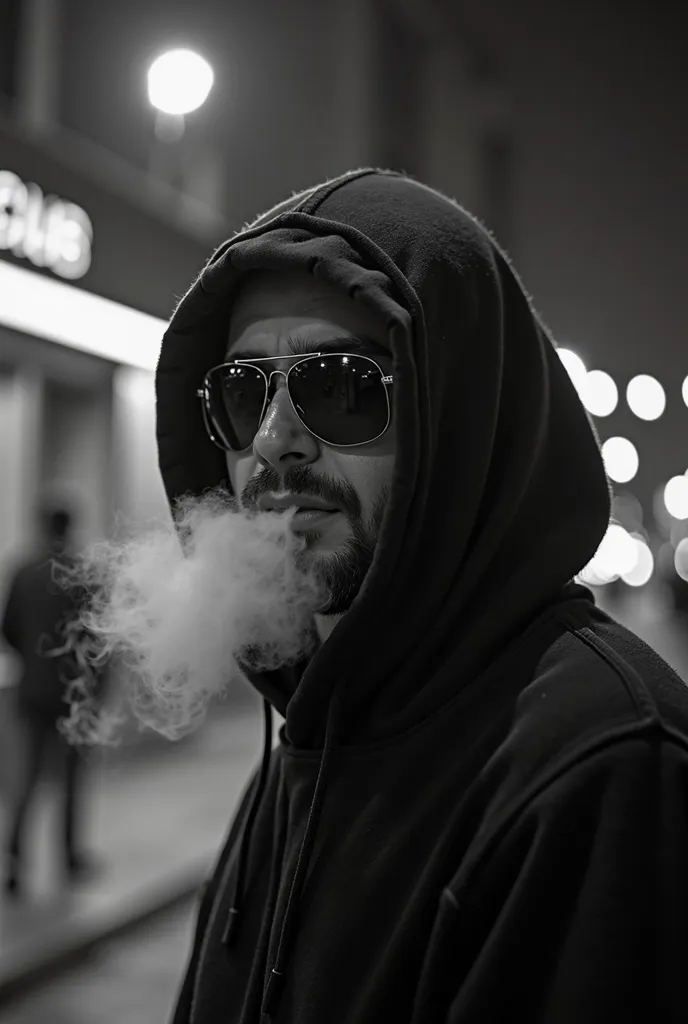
pixel 156 820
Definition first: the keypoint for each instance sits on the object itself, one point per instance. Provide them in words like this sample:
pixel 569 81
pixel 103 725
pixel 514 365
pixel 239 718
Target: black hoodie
pixel 477 808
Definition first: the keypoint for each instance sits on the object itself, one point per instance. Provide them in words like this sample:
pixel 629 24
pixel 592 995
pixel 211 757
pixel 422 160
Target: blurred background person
pixel 37 608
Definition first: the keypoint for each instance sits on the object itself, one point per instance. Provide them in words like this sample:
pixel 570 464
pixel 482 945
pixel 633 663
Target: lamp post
pixel 179 82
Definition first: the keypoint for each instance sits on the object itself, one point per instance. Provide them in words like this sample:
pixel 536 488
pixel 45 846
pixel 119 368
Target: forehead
pixel 272 305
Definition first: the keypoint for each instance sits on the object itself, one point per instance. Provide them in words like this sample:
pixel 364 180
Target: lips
pixel 307 518
pixel 300 502
pixel 299 509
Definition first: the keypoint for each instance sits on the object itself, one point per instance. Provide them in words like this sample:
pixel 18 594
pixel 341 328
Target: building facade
pixel 88 279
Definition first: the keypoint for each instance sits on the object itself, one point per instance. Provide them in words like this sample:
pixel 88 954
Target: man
pixel 477 807
pixel 36 609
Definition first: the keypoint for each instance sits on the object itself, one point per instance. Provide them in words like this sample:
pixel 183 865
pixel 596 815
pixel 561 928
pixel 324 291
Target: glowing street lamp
pixel 646 397
pixel 617 556
pixel 179 82
pixel 676 497
pixel 599 393
pixel 620 458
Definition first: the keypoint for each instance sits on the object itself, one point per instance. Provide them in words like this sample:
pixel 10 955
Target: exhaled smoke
pixel 178 604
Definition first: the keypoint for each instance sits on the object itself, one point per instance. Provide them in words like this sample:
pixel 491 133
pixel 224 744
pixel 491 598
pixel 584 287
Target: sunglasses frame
pixel 204 394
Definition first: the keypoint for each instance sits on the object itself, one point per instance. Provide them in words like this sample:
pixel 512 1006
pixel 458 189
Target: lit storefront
pixel 88 279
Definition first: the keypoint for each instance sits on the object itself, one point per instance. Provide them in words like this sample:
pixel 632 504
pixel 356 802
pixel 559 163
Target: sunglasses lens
pixel 236 396
pixel 341 398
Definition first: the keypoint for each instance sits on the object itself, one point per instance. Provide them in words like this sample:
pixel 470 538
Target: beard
pixel 181 607
pixel 341 573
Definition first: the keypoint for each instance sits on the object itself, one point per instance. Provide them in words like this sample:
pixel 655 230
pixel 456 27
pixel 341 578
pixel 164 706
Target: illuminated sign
pixel 49 231
pixel 47 308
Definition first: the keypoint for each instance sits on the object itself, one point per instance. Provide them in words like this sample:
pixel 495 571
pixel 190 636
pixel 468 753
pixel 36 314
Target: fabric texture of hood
pixel 499 495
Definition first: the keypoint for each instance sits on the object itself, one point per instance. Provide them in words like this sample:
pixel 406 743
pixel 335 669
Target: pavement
pixel 156 819
pixel 131 980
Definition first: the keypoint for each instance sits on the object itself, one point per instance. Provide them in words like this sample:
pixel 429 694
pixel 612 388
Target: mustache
pixel 301 480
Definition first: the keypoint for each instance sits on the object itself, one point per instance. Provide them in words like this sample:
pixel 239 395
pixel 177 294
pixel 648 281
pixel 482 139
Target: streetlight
pixel 179 82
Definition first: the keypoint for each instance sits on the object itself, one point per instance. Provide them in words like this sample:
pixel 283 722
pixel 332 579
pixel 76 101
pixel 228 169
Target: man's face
pixel 272 311
pixel 245 588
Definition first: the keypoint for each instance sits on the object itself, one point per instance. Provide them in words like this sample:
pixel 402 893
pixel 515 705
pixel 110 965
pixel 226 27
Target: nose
pixel 282 440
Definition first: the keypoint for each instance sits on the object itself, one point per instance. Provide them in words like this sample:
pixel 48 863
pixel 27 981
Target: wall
pixel 600 199
pixel 140 493
pixel 76 456
pixel 299 93
pixel 138 258
pixel 20 403
pixel 20 426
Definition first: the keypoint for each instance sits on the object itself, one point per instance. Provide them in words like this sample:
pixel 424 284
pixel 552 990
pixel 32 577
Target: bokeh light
pixel 646 397
pixel 620 459
pixel 676 497
pixel 575 367
pixel 618 552
pixel 599 393
pixel 681 559
pixel 179 81
pixel 616 556
pixel 641 573
pixel 684 390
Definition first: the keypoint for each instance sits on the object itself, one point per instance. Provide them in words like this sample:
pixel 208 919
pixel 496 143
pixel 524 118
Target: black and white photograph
pixel 343 512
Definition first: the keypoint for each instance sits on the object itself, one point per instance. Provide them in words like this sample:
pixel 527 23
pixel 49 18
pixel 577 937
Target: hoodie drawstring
pixel 232 927
pixel 276 980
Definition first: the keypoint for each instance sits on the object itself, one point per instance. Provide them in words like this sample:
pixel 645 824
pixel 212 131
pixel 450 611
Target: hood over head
pixel 499 495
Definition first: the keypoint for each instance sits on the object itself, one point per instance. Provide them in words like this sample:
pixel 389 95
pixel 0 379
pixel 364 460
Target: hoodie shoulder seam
pixel 632 682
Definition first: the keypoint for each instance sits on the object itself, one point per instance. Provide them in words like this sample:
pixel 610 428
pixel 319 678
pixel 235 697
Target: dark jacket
pixel 477 808
pixel 36 610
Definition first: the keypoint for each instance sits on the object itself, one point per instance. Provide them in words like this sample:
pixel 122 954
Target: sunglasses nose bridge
pixel 269 392
pixel 281 373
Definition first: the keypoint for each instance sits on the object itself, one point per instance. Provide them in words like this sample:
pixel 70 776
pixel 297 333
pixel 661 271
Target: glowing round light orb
pixel 179 81
pixel 620 459
pixel 641 573
pixel 589 578
pixel 599 393
pixel 684 390
pixel 616 556
pixel 645 397
pixel 574 366
pixel 676 497
pixel 681 559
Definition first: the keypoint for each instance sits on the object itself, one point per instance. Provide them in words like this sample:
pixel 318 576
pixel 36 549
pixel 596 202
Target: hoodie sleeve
pixel 579 911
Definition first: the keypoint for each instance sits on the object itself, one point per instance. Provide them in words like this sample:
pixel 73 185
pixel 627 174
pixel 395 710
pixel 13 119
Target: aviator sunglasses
pixel 340 397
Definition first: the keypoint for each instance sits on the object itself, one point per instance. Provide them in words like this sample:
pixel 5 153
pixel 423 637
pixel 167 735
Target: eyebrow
pixel 302 346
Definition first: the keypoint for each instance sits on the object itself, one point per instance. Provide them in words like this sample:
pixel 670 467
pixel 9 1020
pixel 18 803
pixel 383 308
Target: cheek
pixel 240 468
pixel 369 475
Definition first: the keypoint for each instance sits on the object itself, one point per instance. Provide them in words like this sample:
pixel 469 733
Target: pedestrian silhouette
pixel 38 606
